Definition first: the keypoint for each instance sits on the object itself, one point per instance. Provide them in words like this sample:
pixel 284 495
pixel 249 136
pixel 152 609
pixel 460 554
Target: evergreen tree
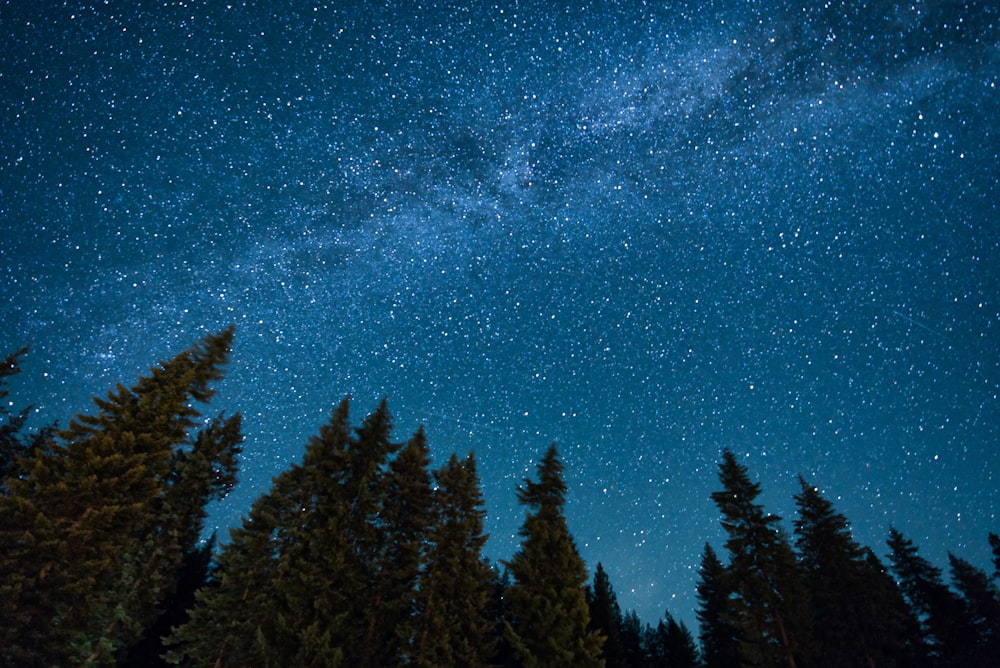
pixel 606 617
pixel 902 643
pixel 286 581
pixel 982 610
pixel 549 617
pixel 369 532
pixel 192 576
pixel 718 637
pixel 945 627
pixel 669 645
pixel 767 601
pixel 633 635
pixel 405 522
pixel 335 560
pixel 655 646
pixel 681 649
pixel 499 613
pixel 453 626
pixel 97 523
pixel 851 626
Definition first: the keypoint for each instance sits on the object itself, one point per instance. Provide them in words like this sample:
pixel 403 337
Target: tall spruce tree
pixel 767 602
pixel 902 644
pixel 235 620
pixel 682 648
pixel 97 523
pixel 669 645
pixel 193 575
pixel 549 625
pixel 295 582
pixel 946 628
pixel 406 522
pixel 719 638
pixel 250 613
pixel 633 639
pixel 499 615
pixel 606 617
pixel 982 610
pixel 852 626
pixel 454 625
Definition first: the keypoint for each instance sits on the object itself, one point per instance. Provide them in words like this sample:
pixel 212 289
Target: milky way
pixel 645 233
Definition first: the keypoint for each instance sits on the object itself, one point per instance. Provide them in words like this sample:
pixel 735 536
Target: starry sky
pixel 646 232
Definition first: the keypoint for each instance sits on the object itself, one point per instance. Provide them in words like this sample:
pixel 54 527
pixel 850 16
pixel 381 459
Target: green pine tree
pixel 982 610
pixel 454 625
pixel 680 649
pixel 718 637
pixel 406 517
pixel 233 623
pixel 902 644
pixel 767 601
pixel 668 645
pixel 549 625
pixel 633 639
pixel 946 628
pixel 852 627
pixel 323 571
pixel 96 526
pixel 606 617
pixel 193 575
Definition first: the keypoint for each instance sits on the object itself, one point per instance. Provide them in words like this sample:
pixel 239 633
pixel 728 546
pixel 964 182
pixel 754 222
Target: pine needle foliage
pixel 96 524
pixel 550 621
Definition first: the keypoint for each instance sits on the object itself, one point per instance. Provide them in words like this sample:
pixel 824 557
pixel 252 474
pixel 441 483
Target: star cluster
pixel 646 233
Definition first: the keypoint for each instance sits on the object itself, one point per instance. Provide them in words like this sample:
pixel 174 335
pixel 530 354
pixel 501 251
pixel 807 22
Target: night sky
pixel 645 232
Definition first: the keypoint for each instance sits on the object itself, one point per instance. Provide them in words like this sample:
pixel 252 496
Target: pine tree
pixel 656 646
pixel 499 613
pixel 193 575
pixel 945 626
pixel 325 570
pixel 982 610
pixel 233 622
pixel 549 617
pixel 292 581
pixel 718 637
pixel 454 625
pixel 669 645
pixel 902 641
pixel 406 519
pixel 96 525
pixel 851 626
pixel 681 650
pixel 368 532
pixel 633 639
pixel 768 601
pixel 606 617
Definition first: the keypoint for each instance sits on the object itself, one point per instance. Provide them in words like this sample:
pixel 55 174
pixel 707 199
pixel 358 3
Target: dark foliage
pixel 96 519
pixel 549 623
pixel 361 555
pixel 766 600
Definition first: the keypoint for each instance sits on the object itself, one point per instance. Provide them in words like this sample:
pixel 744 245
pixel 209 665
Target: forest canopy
pixel 362 554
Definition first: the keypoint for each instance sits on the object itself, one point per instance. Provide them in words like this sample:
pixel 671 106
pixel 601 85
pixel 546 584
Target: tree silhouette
pixel 549 625
pixel 767 601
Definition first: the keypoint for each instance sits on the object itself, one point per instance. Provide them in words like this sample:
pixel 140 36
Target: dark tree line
pixel 362 555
